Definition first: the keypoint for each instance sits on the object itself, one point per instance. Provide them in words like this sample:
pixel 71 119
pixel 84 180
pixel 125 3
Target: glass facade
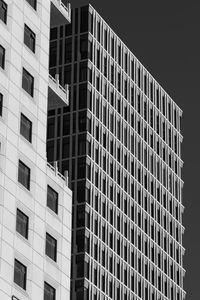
pixel 120 140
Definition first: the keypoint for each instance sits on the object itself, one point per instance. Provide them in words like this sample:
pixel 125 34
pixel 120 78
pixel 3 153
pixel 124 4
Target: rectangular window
pixel 33 3
pixel 1 104
pixel 49 292
pixel 24 175
pixel 29 38
pixel 26 128
pixel 52 199
pixel 20 274
pixel 2 57
pixel 51 247
pixel 22 223
pixel 3 11
pixel 27 82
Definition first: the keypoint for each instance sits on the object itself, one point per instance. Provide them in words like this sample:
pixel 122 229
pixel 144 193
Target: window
pixel 3 11
pixel 27 82
pixel 2 57
pixel 24 175
pixel 51 247
pixel 33 3
pixel 29 38
pixel 26 128
pixel 22 224
pixel 84 19
pixel 20 274
pixel 52 199
pixel 49 292
pixel 1 104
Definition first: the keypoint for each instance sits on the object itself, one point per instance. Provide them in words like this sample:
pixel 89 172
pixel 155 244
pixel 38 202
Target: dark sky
pixel 165 37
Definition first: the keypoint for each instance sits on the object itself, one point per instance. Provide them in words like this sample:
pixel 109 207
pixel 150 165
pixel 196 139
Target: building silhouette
pixel 35 201
pixel 120 139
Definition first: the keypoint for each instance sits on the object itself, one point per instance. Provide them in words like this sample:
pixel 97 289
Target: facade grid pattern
pixel 120 139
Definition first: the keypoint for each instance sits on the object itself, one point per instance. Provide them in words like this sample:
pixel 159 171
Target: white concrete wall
pixel 13 195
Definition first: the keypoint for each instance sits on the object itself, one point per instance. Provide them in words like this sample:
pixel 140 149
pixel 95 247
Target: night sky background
pixel 165 37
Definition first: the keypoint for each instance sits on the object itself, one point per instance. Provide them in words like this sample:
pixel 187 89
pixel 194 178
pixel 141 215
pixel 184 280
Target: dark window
pixel 26 128
pixel 49 292
pixel 66 148
pixel 53 54
pixel 84 19
pixel 27 82
pixel 82 96
pixel 68 50
pixel 24 175
pixel 52 199
pixel 33 3
pixel 50 128
pixel 2 57
pixel 83 72
pixel 22 224
pixel 20 274
pixel 3 11
pixel 1 104
pixel 29 38
pixel 50 151
pixel 51 247
pixel 84 47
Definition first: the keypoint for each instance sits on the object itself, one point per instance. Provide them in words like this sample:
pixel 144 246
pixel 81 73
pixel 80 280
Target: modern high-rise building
pixel 120 138
pixel 35 200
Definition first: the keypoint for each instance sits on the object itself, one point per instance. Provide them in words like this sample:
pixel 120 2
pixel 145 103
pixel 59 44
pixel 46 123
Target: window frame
pixel 23 286
pixel 33 4
pixel 27 76
pixel 29 136
pixel 1 104
pixel 56 193
pixel 27 223
pixel 31 36
pixel 2 64
pixel 50 286
pixel 3 3
pixel 50 255
pixel 29 174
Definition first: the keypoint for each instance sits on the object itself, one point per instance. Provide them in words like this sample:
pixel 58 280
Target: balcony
pixel 54 169
pixel 57 95
pixel 60 13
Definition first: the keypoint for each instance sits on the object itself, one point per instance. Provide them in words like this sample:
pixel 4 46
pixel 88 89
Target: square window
pixel 24 175
pixel 2 57
pixel 27 82
pixel 49 292
pixel 52 199
pixel 29 38
pixel 26 128
pixel 1 104
pixel 22 224
pixel 33 3
pixel 20 274
pixel 3 11
pixel 51 247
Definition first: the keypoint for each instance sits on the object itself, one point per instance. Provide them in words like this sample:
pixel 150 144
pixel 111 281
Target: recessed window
pixel 20 274
pixel 49 292
pixel 24 175
pixel 3 11
pixel 52 199
pixel 22 224
pixel 33 3
pixel 2 57
pixel 1 104
pixel 51 247
pixel 26 128
pixel 27 82
pixel 29 38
